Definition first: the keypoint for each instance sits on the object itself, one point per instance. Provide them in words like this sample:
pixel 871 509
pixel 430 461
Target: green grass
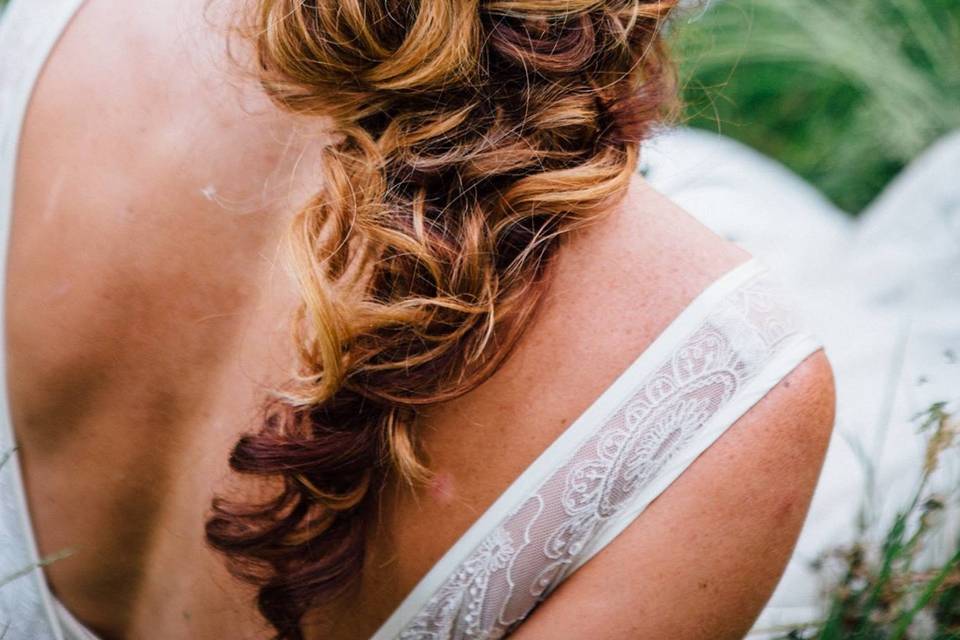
pixel 845 93
pixel 882 592
pixel 7 579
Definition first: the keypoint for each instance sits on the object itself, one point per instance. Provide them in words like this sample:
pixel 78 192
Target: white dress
pixel 28 611
pixel 883 294
pixel 731 345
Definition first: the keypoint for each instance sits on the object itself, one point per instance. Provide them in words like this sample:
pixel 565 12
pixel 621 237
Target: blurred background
pixel 822 135
pixel 843 92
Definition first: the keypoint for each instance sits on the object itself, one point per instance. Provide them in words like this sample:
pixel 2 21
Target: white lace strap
pixel 791 353
pixel 723 353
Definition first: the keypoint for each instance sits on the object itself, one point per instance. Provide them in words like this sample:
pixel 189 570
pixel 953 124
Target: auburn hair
pixel 471 136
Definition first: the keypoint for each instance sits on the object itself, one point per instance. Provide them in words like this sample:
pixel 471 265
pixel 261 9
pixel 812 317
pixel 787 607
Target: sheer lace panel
pixel 613 468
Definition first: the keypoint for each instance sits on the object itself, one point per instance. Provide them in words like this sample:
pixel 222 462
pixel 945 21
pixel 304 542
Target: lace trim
pixel 536 546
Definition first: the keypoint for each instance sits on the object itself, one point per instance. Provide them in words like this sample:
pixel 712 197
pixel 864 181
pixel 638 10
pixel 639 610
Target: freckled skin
pixel 148 315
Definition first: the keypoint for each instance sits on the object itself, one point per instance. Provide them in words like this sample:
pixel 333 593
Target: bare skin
pixel 147 314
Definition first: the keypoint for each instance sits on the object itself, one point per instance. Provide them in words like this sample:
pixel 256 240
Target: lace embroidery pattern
pixel 535 547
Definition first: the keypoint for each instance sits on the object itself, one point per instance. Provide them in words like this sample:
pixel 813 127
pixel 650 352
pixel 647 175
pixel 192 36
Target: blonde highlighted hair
pixel 471 137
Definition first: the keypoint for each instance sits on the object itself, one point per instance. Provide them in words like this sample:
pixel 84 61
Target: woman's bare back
pixel 146 311
pixel 148 314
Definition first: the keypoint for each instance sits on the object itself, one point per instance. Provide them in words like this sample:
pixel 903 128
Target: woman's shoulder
pixel 719 536
pixel 651 246
pixel 618 287
pixel 621 281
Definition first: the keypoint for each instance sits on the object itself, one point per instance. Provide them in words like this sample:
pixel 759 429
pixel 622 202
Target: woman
pixel 526 394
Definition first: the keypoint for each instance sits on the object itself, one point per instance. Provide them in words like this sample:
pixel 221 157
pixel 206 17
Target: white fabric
pixel 28 31
pixel 721 355
pixel 714 362
pixel 883 294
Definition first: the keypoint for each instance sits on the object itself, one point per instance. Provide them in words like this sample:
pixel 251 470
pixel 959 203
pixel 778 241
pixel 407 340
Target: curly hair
pixel 471 137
